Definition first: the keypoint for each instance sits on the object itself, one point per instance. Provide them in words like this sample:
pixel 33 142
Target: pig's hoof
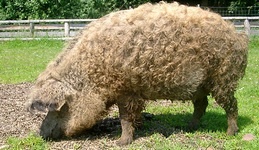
pixel 124 141
pixel 193 125
pixel 232 130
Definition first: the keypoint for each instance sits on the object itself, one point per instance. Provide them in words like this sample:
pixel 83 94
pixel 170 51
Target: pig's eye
pixel 52 106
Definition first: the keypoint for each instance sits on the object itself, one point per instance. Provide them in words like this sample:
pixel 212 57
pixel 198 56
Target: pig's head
pixel 52 97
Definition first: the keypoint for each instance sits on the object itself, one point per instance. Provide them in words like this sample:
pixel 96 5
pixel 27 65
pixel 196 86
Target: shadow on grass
pixel 165 124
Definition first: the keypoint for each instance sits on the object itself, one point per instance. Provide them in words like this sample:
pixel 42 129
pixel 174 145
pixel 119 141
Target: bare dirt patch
pixel 14 119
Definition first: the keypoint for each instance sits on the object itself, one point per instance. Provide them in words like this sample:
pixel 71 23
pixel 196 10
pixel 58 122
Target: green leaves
pixel 39 9
pixel 62 9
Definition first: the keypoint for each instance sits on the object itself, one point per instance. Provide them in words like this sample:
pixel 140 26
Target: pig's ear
pixel 44 107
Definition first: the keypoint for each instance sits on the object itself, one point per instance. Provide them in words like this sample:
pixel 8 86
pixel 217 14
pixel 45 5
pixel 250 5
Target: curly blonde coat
pixel 161 51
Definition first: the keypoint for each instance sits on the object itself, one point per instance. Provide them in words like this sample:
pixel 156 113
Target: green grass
pixel 31 142
pixel 23 60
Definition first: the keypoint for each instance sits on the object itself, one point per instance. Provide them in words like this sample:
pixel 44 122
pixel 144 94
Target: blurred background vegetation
pixel 67 9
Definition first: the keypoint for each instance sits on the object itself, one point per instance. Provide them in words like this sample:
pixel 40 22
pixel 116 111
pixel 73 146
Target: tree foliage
pixel 38 9
pixel 250 5
pixel 59 9
pixel 98 8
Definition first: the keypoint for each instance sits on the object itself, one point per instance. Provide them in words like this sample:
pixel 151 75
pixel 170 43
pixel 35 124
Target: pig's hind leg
pixel 200 103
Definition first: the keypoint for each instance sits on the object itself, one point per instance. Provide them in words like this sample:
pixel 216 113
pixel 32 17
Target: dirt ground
pixel 14 119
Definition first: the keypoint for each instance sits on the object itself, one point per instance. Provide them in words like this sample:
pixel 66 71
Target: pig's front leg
pixel 130 115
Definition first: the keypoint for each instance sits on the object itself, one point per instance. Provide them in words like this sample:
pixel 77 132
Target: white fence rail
pixel 67 28
pixel 249 24
pixel 53 28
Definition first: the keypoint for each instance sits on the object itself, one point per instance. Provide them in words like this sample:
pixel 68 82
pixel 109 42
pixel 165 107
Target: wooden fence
pixel 34 29
pixel 68 28
pixel 249 24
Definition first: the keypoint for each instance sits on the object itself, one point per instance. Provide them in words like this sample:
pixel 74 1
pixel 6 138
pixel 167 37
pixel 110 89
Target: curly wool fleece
pixel 161 51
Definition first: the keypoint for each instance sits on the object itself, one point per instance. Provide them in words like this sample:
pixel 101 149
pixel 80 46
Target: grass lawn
pixel 22 61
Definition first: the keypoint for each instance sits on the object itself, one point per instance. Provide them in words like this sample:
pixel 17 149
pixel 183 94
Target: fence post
pixel 247 27
pixel 32 29
pixel 67 29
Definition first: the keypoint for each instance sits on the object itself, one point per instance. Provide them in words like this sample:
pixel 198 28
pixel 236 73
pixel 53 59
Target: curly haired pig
pixel 160 51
